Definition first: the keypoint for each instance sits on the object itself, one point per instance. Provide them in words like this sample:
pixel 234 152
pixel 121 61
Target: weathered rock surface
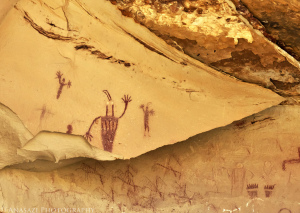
pixel 80 79
pixel 281 20
pixel 13 135
pixel 54 72
pixel 250 165
pixel 225 34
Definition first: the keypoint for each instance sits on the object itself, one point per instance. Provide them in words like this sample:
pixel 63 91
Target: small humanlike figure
pixel 239 176
pixel 70 129
pixel 61 83
pixel 147 113
pixel 109 123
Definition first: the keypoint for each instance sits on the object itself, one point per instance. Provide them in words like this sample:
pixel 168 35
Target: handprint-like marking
pixel 58 75
pixel 88 136
pixel 126 99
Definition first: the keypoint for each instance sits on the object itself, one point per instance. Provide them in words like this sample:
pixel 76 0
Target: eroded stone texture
pixel 13 135
pixel 251 165
pixel 281 20
pixel 91 69
pixel 65 65
pixel 220 34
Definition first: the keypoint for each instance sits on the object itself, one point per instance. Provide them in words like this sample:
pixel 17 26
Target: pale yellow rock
pixel 57 147
pixel 250 165
pixel 187 99
pixel 210 172
pixel 13 135
pixel 5 7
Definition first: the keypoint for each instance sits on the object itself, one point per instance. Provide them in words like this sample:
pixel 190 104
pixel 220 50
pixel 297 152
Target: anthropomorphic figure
pixel 70 129
pixel 147 114
pixel 109 123
pixel 239 177
pixel 238 180
pixel 61 83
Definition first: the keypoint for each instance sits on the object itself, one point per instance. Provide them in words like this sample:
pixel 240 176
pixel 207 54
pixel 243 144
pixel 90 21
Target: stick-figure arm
pixel 69 84
pixel 152 112
pixel 88 135
pixel 126 99
pixel 142 107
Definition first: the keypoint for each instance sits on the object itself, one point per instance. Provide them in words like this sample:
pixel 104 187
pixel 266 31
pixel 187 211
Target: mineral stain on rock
pixel 44 32
pixel 100 54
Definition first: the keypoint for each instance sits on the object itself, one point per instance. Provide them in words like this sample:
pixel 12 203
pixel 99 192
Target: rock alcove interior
pixel 149 106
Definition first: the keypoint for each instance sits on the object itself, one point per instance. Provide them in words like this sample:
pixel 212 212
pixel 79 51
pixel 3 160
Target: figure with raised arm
pixel 109 123
pixel 147 113
pixel 61 84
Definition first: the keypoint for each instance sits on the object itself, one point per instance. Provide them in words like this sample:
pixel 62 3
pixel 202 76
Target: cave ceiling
pixel 254 41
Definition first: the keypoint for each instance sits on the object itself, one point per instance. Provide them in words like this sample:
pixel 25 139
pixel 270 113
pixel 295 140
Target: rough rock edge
pixel 248 18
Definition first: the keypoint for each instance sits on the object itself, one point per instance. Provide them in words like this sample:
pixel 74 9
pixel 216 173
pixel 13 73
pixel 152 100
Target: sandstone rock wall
pixel 149 106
